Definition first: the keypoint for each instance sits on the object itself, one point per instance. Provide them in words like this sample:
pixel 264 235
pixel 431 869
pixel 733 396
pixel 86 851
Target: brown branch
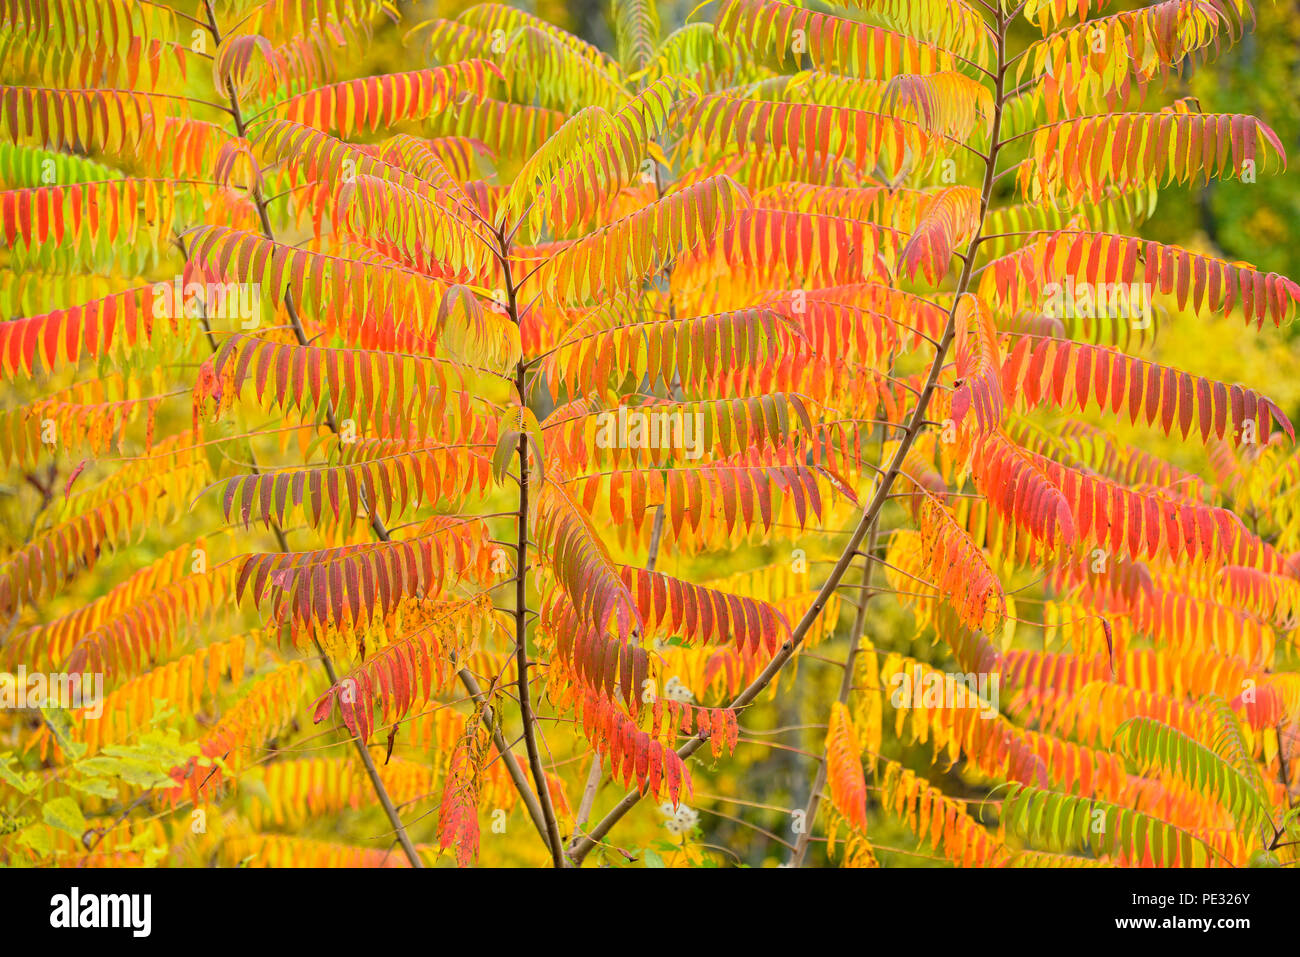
pixel 527 715
pixel 872 512
pixel 466 677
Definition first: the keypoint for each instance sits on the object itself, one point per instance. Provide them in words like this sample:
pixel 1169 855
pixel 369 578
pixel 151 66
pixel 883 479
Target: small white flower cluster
pixel 675 690
pixel 680 819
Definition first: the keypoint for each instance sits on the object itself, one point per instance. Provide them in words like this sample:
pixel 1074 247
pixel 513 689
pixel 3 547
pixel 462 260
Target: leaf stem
pixel 526 713
pixel 846 687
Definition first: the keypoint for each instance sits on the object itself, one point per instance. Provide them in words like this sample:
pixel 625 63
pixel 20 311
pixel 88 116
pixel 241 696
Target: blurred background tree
pixel 1258 221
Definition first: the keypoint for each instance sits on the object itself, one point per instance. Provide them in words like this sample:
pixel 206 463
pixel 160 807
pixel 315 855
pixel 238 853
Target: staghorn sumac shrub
pixel 453 421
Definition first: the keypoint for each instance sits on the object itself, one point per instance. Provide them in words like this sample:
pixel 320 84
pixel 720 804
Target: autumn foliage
pixel 454 431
